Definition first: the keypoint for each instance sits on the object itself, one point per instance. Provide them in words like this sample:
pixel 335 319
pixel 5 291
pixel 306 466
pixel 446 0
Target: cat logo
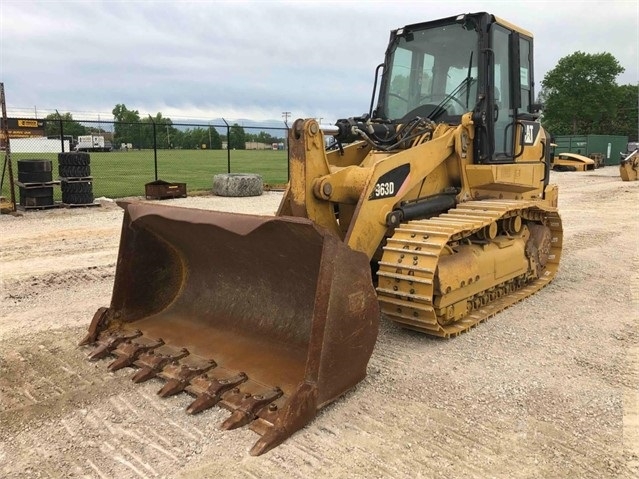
pixel 531 131
pixel 528 138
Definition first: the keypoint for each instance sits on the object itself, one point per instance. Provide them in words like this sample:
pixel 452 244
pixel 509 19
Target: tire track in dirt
pixel 20 259
pixel 35 284
pixel 35 377
pixel 32 304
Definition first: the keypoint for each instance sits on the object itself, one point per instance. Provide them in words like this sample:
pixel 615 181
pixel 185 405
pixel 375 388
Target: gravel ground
pixel 546 389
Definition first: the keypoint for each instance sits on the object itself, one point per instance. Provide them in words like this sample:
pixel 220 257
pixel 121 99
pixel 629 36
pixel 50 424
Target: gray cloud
pixel 255 59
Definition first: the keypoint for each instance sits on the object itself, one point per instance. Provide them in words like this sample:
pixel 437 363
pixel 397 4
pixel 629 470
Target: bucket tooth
pixel 203 402
pixel 153 361
pixel 97 323
pixel 121 362
pixel 129 351
pixel 172 387
pixel 276 424
pixel 143 374
pixel 107 342
pixel 213 393
pixel 179 373
pixel 249 408
pixel 99 352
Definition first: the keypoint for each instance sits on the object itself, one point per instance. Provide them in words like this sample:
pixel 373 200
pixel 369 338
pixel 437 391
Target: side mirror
pixel 535 107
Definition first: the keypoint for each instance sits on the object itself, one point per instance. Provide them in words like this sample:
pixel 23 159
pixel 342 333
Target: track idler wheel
pixel 512 225
pixel 488 232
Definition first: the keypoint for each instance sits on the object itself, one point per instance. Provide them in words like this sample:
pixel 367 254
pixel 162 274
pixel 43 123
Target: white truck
pixel 92 143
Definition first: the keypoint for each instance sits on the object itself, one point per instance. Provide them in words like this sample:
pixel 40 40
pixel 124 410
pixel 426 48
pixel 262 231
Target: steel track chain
pixel 409 263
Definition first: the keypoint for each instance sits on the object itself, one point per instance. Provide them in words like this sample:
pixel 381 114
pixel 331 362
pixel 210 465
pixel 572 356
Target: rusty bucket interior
pixel 271 317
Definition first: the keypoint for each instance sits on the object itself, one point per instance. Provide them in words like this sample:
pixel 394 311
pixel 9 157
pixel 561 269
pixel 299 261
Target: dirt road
pixel 547 388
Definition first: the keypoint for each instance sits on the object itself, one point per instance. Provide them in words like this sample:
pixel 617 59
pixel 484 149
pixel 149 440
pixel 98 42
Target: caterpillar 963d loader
pixel 434 207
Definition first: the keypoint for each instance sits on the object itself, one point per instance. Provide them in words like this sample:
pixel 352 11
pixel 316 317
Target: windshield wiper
pixel 439 109
pixel 465 83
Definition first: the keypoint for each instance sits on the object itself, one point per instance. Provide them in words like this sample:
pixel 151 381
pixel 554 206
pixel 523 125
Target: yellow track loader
pixel 629 166
pixel 434 208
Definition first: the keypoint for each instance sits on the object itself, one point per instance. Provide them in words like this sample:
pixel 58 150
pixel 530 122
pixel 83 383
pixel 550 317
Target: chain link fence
pixel 124 157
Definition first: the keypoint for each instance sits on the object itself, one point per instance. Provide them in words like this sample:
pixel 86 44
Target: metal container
pixel 161 190
pixel 607 145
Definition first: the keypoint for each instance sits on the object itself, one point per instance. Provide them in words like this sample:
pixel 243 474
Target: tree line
pixel 581 96
pixel 131 129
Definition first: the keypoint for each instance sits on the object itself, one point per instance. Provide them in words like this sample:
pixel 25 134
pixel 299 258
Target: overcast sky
pixel 255 60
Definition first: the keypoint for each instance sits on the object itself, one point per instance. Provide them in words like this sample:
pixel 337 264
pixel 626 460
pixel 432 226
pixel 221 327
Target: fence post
pixel 288 153
pixel 61 131
pixel 155 148
pixel 228 146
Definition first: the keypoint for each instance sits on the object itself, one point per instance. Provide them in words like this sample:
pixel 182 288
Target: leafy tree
pixel 237 137
pixel 166 135
pixel 580 93
pixel 197 137
pixel 69 125
pixel 215 141
pixel 262 137
pixel 627 117
pixel 127 126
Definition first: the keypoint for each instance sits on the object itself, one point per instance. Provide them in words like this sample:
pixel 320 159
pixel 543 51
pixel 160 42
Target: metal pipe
pixel 329 130
pixel 431 206
pixel 228 146
pixel 155 148
pixel 420 209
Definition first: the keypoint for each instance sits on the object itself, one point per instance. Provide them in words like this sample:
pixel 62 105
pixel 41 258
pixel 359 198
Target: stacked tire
pixel 76 182
pixel 34 171
pixel 35 180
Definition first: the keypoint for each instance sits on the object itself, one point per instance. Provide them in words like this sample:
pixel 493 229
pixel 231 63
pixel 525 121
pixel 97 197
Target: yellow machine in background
pixel 6 206
pixel 434 206
pixel 629 167
pixel 572 162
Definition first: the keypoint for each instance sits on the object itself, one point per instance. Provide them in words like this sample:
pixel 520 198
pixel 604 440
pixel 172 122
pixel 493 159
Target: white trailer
pixel 92 143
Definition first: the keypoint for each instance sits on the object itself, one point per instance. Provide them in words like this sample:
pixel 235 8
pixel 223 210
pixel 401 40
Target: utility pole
pixel 4 133
pixel 285 115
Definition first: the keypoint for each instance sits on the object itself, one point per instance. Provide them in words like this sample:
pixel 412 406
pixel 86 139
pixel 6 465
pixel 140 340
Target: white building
pixel 38 144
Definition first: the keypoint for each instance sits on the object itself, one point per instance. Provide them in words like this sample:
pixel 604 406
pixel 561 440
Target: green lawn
pixel 118 173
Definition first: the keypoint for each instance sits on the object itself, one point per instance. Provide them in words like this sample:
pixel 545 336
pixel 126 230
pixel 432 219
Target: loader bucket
pixel 270 317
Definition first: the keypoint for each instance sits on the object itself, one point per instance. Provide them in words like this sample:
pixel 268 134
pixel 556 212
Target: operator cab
pixel 468 63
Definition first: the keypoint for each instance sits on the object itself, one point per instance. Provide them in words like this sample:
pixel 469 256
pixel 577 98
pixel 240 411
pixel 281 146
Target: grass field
pixel 124 173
